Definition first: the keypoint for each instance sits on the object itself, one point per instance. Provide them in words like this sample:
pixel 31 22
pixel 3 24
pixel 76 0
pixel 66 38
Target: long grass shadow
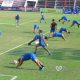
pixel 66 53
pixel 12 67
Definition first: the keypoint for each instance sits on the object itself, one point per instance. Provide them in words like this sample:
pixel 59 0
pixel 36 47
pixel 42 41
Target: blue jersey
pixel 75 22
pixel 28 56
pixel 41 39
pixel 17 17
pixel 64 18
pixel 62 29
pixel 36 26
pixel 57 34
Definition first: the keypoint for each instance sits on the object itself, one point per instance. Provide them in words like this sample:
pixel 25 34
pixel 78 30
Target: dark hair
pixel 53 19
pixel 46 37
pixel 40 31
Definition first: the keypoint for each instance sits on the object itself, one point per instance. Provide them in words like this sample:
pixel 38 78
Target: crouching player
pixel 36 28
pixel 75 22
pixel 57 34
pixel 30 56
pixel 42 41
pixel 64 18
pixel 62 29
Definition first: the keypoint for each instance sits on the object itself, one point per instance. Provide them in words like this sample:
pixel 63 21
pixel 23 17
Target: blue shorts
pixel 62 29
pixel 28 56
pixel 51 30
pixel 42 18
pixel 57 34
pixel 42 44
pixel 75 22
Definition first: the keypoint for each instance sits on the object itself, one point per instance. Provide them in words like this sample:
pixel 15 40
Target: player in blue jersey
pixel 17 18
pixel 36 28
pixel 57 34
pixel 62 29
pixel 75 22
pixel 29 56
pixel 42 41
pixel 53 27
pixel 42 17
pixel 64 18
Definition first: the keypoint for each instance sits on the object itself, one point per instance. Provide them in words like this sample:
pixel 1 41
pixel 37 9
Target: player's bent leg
pixel 47 50
pixel 63 37
pixel 20 62
pixel 36 48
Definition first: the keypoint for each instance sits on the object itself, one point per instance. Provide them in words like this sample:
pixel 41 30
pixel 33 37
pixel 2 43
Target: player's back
pixel 27 56
pixel 53 25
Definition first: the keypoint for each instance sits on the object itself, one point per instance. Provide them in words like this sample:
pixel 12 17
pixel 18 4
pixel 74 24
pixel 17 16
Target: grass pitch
pixel 13 43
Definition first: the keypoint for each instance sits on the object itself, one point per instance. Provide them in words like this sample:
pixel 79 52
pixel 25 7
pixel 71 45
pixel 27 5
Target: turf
pixel 64 53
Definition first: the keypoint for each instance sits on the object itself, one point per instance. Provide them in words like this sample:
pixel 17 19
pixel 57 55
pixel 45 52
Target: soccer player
pixel 75 22
pixel 53 27
pixel 17 18
pixel 64 18
pixel 42 41
pixel 64 29
pixel 30 56
pixel 42 17
pixel 36 28
pixel 57 34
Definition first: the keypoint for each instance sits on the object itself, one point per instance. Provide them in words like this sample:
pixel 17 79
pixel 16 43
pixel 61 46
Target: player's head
pixel 40 31
pixel 46 37
pixel 53 19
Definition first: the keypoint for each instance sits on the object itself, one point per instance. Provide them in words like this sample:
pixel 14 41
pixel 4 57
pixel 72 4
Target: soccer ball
pixel 15 61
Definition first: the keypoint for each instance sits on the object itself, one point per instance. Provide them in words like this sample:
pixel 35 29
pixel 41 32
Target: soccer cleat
pixel 41 68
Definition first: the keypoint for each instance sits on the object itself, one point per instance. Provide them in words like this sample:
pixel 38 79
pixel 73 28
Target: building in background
pixel 37 4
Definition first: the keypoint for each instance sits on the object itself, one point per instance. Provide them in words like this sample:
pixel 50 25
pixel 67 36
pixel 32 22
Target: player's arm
pixel 31 41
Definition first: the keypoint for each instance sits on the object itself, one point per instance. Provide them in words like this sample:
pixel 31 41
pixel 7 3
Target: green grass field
pixel 13 43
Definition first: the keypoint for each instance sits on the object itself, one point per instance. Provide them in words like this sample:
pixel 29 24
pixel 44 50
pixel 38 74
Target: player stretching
pixel 42 17
pixel 29 56
pixel 62 29
pixel 41 38
pixel 53 27
pixel 36 28
pixel 75 22
pixel 57 34
pixel 17 18
pixel 64 18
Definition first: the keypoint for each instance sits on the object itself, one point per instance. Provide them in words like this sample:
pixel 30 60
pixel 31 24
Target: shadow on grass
pixel 12 67
pixel 58 54
pixel 66 53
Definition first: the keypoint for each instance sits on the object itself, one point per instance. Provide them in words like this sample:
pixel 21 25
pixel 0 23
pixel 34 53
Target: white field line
pixel 15 47
pixel 13 77
pixel 5 75
pixel 20 23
